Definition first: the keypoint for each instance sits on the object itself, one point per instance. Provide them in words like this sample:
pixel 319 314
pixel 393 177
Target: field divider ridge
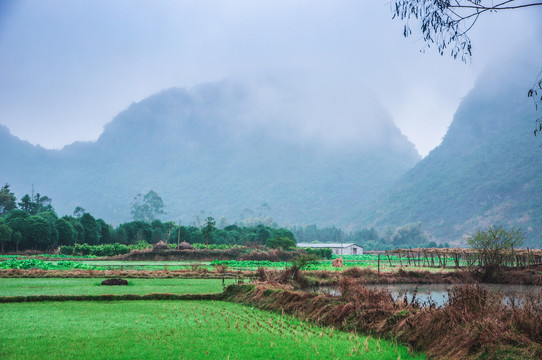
pixel 109 297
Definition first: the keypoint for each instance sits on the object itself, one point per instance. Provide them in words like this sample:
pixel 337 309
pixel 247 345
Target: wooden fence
pixel 459 257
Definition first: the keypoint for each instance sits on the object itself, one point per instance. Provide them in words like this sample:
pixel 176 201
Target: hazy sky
pixel 68 67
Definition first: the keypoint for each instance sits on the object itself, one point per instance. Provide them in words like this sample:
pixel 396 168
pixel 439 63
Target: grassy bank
pixel 474 325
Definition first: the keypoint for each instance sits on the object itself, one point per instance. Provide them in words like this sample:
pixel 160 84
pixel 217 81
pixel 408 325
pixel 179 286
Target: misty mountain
pixel 487 170
pixel 226 148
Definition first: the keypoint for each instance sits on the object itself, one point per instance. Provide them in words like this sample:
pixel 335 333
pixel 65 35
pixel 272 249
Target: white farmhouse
pixel 338 249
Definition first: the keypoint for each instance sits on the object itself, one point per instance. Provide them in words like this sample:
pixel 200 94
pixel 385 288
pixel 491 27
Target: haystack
pixel 160 246
pixel 185 246
pixel 338 262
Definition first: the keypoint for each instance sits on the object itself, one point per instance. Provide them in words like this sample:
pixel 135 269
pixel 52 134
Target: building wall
pixel 351 250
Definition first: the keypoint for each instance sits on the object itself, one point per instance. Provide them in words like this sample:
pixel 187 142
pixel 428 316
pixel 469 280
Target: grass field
pixel 85 286
pixel 174 330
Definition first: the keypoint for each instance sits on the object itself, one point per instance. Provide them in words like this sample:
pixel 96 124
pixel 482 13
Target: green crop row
pixel 96 250
pixel 254 264
pixel 251 263
pixel 27 264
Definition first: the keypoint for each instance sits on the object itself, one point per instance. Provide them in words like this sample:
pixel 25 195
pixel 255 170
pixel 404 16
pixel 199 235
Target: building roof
pixel 320 245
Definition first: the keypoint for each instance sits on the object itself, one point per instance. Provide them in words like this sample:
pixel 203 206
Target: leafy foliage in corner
pixel 446 23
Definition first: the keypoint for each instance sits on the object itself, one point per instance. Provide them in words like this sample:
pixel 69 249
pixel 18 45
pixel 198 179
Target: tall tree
pixel 92 230
pixel 5 233
pixel 51 218
pixel 8 201
pixel 38 233
pixel 208 229
pixel 42 203
pixel 78 212
pixel 17 238
pixel 136 231
pixel 66 232
pixel 35 204
pixel 79 229
pixel 120 235
pixel 147 207
pixel 26 204
pixel 169 226
pixel 106 232
pixel 15 219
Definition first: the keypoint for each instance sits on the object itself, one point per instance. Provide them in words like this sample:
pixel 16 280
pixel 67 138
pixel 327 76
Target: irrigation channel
pixel 437 294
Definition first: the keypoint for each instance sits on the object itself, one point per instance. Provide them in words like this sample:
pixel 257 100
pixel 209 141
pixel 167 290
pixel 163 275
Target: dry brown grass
pixel 476 324
pixel 134 274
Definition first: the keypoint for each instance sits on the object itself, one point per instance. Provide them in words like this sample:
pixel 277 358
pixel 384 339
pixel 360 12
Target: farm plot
pixel 350 261
pixel 148 265
pixel 174 330
pixel 387 263
pixel 91 286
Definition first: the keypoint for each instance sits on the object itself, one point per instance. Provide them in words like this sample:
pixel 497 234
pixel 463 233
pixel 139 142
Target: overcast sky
pixel 68 67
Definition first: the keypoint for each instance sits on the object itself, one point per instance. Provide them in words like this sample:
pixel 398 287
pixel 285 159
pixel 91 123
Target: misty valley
pixel 238 223
pixel 197 150
pixel 244 180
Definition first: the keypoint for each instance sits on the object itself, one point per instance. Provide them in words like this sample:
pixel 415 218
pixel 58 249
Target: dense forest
pixel 32 224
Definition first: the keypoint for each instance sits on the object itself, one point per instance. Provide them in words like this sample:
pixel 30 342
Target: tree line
pixel 410 235
pixel 32 223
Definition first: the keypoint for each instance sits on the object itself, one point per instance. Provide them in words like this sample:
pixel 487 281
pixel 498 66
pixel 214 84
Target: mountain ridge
pixel 484 172
pixel 213 148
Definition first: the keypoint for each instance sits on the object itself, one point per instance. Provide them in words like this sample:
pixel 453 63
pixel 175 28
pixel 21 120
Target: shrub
pixel 121 249
pixel 494 246
pixel 66 250
pixel 82 249
pixel 103 250
pixel 281 242
pixel 324 253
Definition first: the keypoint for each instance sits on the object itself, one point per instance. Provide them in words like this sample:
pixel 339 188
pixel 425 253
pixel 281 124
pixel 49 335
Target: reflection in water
pixel 424 293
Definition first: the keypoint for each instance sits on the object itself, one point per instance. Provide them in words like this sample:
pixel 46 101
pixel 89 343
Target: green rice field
pixel 91 286
pixel 174 330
